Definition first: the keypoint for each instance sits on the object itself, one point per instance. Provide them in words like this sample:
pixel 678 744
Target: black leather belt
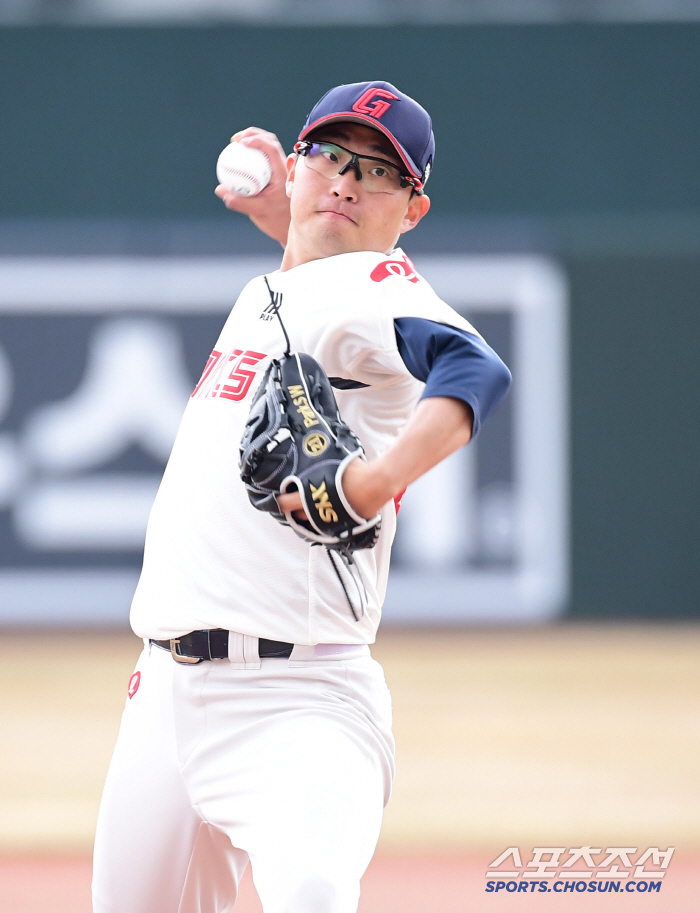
pixel 197 646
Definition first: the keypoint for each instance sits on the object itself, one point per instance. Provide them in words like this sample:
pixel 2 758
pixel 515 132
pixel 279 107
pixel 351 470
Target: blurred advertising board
pixel 98 356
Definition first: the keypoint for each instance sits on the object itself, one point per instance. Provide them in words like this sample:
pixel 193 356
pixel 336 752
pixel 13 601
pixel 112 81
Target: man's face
pixel 338 215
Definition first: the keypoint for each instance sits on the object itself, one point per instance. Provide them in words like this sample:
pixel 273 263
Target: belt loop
pixel 302 654
pixel 243 651
pixel 251 655
pixel 235 650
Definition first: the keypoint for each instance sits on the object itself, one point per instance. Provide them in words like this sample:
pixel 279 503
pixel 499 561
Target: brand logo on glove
pixel 296 391
pixel 323 503
pixel 315 443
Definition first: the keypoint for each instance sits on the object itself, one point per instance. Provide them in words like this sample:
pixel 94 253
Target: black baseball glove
pixel 295 440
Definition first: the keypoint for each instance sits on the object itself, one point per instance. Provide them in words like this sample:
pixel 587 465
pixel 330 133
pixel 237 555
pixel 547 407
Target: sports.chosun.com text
pixel 564 887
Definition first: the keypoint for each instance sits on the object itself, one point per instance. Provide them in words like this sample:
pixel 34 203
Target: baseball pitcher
pixel 257 727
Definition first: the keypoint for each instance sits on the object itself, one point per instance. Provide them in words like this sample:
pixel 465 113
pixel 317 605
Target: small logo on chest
pixel 271 310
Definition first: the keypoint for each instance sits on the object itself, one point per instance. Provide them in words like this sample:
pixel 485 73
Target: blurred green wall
pixel 528 119
pixel 635 366
pixel 591 131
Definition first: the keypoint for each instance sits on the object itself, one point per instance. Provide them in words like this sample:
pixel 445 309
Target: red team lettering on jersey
pixel 228 376
pixel 386 268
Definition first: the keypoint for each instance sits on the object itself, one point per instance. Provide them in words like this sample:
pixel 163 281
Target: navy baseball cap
pixel 380 105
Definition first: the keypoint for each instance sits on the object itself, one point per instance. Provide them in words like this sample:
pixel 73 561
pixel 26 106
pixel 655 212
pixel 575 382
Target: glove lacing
pixel 356 577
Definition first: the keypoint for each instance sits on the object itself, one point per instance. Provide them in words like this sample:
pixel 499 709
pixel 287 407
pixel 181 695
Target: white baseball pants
pixel 287 764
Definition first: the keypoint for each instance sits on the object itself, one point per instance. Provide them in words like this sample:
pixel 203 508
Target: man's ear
pixel 291 171
pixel 418 206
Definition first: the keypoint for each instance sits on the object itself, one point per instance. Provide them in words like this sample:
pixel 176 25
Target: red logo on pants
pixel 134 683
pixel 368 102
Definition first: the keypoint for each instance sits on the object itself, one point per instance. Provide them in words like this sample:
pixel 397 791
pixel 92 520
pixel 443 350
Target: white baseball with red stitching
pixel 243 170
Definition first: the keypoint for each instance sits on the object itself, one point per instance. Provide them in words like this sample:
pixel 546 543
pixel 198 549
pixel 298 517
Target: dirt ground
pixel 393 884
pixel 568 735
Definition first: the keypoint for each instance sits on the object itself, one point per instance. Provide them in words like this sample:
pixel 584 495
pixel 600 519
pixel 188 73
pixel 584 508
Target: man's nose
pixel 345 185
pixel 345 182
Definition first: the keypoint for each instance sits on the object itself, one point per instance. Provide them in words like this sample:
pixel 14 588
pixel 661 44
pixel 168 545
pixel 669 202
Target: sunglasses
pixel 377 175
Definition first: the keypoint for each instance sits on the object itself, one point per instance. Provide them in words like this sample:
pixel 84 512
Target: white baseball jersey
pixel 212 560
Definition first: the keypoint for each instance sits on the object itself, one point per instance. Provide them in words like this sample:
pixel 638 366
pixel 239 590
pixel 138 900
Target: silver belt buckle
pixel 178 657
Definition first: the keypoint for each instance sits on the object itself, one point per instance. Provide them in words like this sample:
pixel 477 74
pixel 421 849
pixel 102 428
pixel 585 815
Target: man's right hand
pixel 269 209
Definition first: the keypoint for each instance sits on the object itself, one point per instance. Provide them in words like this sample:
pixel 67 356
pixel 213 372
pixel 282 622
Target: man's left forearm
pixel 439 426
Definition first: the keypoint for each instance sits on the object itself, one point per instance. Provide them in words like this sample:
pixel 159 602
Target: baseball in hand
pixel 243 170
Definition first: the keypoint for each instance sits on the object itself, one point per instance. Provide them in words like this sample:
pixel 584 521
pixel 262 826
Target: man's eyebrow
pixel 382 149
pixel 337 133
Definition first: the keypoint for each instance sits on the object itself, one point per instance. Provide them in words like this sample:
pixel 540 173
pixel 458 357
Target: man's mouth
pixel 340 216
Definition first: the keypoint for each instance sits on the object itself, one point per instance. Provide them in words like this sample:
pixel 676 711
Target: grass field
pixel 567 735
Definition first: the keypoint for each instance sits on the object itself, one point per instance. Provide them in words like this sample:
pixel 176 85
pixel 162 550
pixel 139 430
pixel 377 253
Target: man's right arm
pixel 269 209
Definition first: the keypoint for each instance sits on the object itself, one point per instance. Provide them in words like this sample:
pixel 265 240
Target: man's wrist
pixel 369 486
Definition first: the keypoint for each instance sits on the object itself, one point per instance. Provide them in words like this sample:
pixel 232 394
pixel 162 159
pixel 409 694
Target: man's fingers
pixel 266 142
pixel 251 131
pixel 291 502
pixel 231 200
pixel 269 209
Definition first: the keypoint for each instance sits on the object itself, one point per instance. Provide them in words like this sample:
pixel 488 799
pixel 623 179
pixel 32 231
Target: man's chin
pixel 337 240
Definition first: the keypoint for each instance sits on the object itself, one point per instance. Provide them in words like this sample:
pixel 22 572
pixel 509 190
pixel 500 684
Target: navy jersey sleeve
pixel 452 362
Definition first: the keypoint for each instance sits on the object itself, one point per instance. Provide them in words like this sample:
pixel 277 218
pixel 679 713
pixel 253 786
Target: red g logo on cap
pixel 369 103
